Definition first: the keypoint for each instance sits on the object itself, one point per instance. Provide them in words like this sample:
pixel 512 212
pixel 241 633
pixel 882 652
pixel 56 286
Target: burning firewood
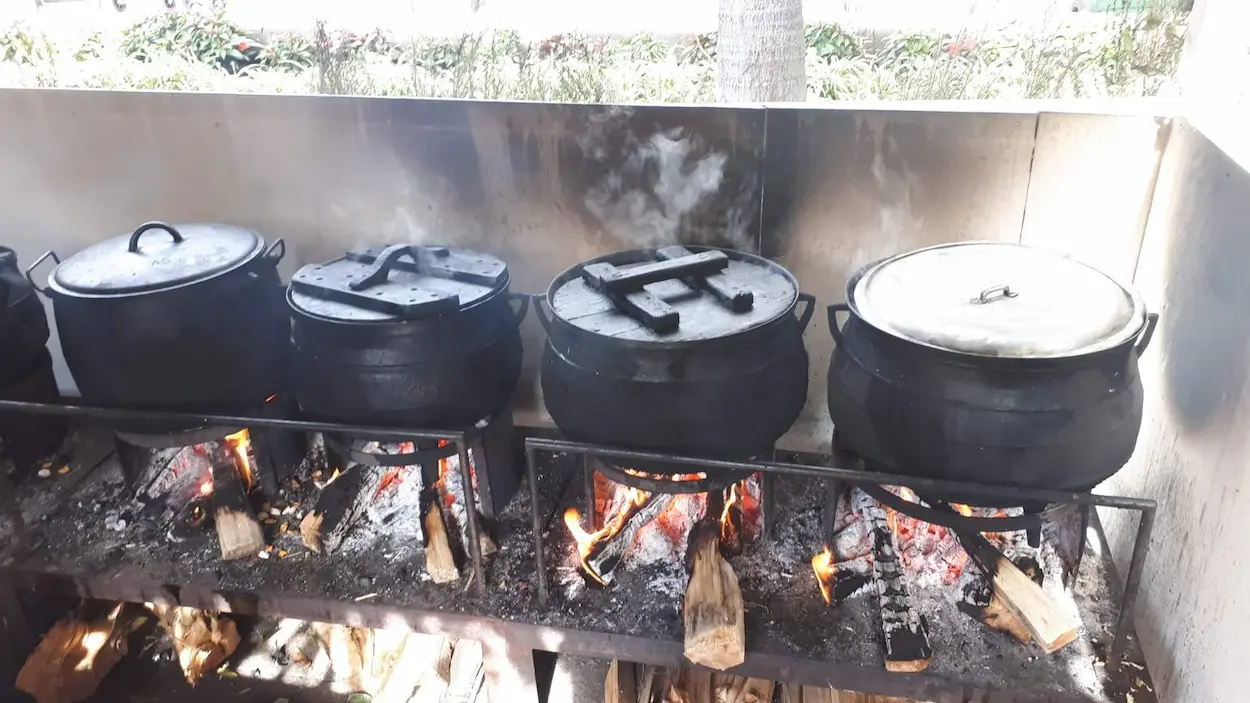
pixel 713 611
pixel 238 531
pixel 836 585
pixel 905 630
pixel 1045 620
pixel 439 562
pixel 602 550
pixel 340 504
pixel 202 640
pixel 76 654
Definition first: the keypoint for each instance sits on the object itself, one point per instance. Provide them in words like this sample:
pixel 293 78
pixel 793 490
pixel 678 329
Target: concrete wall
pixel 823 190
pixel 1194 447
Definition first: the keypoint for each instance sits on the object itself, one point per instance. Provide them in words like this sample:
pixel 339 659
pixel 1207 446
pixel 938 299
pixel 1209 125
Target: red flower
pixel 242 46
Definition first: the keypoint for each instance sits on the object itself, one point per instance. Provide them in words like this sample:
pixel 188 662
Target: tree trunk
pixel 759 46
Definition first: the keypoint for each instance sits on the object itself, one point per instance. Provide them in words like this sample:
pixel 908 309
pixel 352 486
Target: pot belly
pixel 437 393
pixel 736 416
pixel 995 435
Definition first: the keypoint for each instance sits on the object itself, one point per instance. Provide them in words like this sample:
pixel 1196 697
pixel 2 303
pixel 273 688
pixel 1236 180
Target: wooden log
pixel 651 675
pixel 435 680
pixel 727 688
pixel 238 531
pixel 712 611
pixel 340 504
pixel 350 651
pixel 76 654
pixel 689 686
pixel 983 604
pixel 905 630
pixel 416 663
pixel 1050 625
pixel 467 673
pixel 202 640
pixel 606 554
pixel 439 562
pixel 621 683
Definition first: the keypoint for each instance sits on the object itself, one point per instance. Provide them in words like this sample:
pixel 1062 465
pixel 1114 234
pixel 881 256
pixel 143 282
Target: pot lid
pixel 673 294
pixel 157 256
pixel 999 300
pixel 398 282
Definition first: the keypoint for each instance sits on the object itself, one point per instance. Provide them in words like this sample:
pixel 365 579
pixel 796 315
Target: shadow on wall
pixel 1206 286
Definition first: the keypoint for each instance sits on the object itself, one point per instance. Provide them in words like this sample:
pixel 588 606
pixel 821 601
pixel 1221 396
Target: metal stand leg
pixel 767 504
pixel 466 490
pixel 132 459
pixel 482 470
pixel 1132 583
pixel 540 566
pixel 588 493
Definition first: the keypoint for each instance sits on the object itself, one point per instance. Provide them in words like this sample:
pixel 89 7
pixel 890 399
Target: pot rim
pixel 574 271
pixel 1130 334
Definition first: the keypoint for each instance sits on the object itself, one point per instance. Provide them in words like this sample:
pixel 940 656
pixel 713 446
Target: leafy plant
pixel 208 38
pixel 830 42
pixel 19 44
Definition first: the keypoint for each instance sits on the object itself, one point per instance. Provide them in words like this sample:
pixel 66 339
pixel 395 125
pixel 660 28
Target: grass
pixel 1103 55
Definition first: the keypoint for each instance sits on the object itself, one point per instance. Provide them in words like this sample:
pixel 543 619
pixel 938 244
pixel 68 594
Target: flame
pixel 962 509
pixel 586 541
pixel 241 443
pixel 333 476
pixel 395 474
pixel 729 531
pixel 823 565
pixel 676 478
pixel 908 494
pixel 206 487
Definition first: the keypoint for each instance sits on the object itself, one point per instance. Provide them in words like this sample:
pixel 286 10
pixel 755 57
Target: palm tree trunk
pixel 760 51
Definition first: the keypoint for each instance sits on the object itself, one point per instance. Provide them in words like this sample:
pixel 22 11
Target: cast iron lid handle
pixel 702 271
pixel 993 293
pixel 432 261
pixel 133 247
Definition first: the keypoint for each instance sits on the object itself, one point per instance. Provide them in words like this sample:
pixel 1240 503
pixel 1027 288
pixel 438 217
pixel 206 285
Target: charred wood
pixel 607 553
pixel 339 505
pixel 238 531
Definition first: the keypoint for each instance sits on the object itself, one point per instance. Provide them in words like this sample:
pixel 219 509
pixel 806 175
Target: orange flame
pixel 395 474
pixel 962 509
pixel 586 541
pixel 823 565
pixel 241 443
pixel 729 531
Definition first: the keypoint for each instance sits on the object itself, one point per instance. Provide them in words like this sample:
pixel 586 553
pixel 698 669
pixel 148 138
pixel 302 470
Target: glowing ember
pixel 676 478
pixel 241 443
pixel 822 564
pixel 395 474
pixel 206 488
pixel 962 509
pixel 586 541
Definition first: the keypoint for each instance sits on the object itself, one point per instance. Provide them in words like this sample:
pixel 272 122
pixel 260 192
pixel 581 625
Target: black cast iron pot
pixel 706 360
pixel 23 322
pixel 408 335
pixel 186 318
pixel 989 363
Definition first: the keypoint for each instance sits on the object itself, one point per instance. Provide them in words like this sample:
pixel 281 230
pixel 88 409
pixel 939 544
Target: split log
pixel 607 553
pixel 689 685
pixel 646 688
pixel 238 531
pixel 467 673
pixel 791 693
pixel 1052 627
pixel 437 677
pixel 621 683
pixel 439 562
pixel 76 654
pixel 349 650
pixel 905 630
pixel 202 640
pixel 713 612
pixel 983 604
pixel 727 688
pixel 340 504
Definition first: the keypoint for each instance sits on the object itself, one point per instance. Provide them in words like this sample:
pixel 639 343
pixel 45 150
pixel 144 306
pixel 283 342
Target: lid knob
pixel 993 293
pixel 133 246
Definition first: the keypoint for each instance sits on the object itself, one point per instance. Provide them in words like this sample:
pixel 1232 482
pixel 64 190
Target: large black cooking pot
pixel 698 354
pixel 990 363
pixel 186 317
pixel 408 335
pixel 23 322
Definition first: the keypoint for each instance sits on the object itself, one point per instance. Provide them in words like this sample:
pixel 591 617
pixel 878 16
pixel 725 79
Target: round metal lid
pixel 997 300
pixel 397 282
pixel 157 256
pixel 714 301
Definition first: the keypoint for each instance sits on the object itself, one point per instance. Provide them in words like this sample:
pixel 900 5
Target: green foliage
pixel 205 37
pixel 21 45
pixel 830 42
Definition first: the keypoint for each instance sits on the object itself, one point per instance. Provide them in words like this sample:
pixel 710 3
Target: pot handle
pixel 806 316
pixel 523 308
pixel 833 321
pixel 382 266
pixel 1143 340
pixel 31 269
pixel 540 300
pixel 278 246
pixel 133 247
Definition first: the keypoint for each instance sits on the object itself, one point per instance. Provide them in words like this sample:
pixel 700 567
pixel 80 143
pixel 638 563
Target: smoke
pixel 665 188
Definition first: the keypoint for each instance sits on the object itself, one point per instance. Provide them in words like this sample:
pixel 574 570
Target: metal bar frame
pixel 460 438
pixel 1008 494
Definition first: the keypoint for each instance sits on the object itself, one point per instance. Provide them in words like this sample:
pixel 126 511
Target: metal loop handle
pixel 519 313
pixel 544 318
pixel 833 320
pixel 1147 332
pixel 382 266
pixel 30 269
pixel 133 247
pixel 278 246
pixel 806 316
pixel 989 295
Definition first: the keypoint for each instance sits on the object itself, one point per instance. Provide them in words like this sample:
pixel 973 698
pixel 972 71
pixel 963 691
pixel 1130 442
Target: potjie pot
pixel 173 317
pixel 417 336
pixel 989 363
pixel 687 351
